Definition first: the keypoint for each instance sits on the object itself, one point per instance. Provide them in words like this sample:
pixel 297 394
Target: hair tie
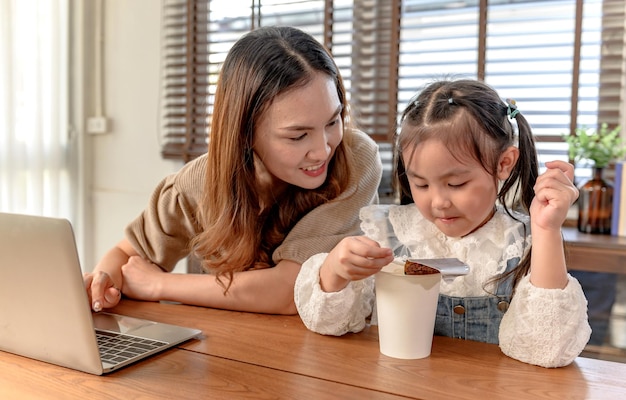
pixel 450 100
pixel 511 108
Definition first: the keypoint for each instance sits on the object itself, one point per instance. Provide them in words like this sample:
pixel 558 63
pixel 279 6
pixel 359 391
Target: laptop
pixel 44 307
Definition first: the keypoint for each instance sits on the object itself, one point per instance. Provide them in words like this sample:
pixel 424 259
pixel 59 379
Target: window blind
pixel 612 62
pixel 562 60
pixel 185 109
pixel 199 33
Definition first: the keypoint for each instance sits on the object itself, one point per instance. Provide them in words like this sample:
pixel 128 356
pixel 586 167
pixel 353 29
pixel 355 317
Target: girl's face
pixel 458 197
pixel 297 135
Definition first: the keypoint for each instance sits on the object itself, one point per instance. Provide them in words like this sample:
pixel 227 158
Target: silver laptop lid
pixel 44 309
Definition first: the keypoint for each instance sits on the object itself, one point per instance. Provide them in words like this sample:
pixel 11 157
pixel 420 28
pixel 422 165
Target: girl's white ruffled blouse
pixel 546 327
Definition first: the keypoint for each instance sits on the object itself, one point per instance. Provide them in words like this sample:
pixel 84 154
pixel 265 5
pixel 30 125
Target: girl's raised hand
pixel 555 192
pixel 354 258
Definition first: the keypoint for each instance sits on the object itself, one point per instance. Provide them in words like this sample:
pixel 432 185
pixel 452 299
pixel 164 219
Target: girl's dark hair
pixel 236 233
pixel 470 118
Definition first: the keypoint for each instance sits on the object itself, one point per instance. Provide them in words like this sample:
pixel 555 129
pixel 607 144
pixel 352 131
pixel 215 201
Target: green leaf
pixel 601 147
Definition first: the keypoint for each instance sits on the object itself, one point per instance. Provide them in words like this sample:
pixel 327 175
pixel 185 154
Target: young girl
pixel 284 178
pixel 470 163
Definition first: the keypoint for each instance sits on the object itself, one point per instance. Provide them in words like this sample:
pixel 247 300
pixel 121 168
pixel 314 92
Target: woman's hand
pixel 101 290
pixel 105 284
pixel 555 192
pixel 142 279
pixel 354 258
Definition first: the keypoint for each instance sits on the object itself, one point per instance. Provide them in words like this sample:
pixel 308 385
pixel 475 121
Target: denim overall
pixel 475 318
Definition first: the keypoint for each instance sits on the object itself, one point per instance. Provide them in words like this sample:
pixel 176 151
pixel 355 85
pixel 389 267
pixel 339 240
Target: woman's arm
pixel 267 290
pixel 105 284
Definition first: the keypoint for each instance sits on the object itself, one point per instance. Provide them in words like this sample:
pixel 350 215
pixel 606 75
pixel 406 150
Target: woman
pixel 283 179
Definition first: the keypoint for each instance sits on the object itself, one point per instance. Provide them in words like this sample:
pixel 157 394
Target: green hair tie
pixel 511 108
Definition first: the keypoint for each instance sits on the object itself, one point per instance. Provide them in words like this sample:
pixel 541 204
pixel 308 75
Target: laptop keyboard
pixel 117 347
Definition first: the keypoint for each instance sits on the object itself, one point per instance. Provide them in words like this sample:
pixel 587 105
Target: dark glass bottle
pixel 595 204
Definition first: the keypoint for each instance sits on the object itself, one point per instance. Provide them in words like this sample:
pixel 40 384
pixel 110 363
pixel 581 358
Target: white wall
pixel 122 166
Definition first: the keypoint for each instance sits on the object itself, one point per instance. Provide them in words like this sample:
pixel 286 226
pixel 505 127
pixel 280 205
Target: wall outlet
pixel 97 125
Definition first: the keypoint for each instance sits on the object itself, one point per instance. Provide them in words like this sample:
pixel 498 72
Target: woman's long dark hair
pixel 236 233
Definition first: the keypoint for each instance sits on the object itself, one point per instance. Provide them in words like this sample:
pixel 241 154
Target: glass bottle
pixel 595 204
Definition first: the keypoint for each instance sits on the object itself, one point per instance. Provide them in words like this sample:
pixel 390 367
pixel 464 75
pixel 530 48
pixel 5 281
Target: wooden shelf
pixel 594 252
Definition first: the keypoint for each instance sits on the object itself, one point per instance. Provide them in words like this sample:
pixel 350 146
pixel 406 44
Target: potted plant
pixel 602 147
pixel 595 202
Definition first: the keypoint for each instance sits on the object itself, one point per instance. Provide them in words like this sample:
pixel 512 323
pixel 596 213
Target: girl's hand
pixel 101 290
pixel 555 192
pixel 354 258
pixel 142 279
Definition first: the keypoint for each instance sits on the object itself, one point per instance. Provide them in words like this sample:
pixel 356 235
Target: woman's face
pixel 457 197
pixel 297 135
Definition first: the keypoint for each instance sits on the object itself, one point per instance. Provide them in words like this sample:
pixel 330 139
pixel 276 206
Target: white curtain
pixel 34 135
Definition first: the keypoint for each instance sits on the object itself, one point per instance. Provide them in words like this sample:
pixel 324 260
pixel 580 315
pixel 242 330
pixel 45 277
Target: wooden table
pixel 595 252
pixel 245 355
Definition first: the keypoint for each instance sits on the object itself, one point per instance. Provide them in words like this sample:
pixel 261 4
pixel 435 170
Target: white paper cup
pixel 406 310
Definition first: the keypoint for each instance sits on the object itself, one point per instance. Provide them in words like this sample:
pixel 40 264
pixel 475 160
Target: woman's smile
pixel 315 170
